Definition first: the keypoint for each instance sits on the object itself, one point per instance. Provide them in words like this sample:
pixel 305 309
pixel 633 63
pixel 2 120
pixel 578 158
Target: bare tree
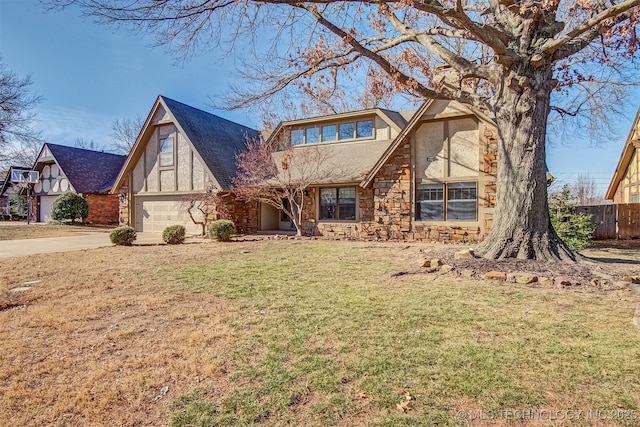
pixel 281 178
pixel 586 191
pixel 20 153
pixel 86 144
pixel 203 208
pixel 124 134
pixel 19 142
pixel 509 57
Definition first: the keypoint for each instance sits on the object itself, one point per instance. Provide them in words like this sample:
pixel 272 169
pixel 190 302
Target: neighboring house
pixel 8 207
pixel 181 152
pixel 428 174
pixel 88 173
pixel 625 184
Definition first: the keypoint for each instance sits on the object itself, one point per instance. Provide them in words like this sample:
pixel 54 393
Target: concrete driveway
pixel 23 247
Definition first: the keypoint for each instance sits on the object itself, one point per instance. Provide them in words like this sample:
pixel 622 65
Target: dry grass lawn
pixel 20 230
pixel 299 333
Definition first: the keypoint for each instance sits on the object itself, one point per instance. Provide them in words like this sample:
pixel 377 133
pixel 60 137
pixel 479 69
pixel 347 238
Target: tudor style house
pixel 428 174
pixel 180 152
pixel 88 173
pixel 625 183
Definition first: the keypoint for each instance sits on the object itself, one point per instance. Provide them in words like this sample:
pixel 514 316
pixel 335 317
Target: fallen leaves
pixel 404 405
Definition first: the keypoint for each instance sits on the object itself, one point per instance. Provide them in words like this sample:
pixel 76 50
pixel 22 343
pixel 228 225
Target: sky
pixel 90 75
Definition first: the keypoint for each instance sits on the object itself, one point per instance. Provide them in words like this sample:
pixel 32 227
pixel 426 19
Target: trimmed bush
pixel 173 234
pixel 122 236
pixel 222 230
pixel 69 207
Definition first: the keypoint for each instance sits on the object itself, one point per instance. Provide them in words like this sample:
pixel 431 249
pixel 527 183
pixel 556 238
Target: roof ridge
pixel 166 98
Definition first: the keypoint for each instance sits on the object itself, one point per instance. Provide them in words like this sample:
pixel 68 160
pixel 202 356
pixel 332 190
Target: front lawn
pixel 304 333
pixel 22 230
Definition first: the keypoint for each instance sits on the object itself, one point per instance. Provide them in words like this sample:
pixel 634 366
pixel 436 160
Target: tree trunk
pixel 521 225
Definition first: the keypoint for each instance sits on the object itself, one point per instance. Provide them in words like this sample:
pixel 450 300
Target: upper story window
pixel 333 132
pixel 166 151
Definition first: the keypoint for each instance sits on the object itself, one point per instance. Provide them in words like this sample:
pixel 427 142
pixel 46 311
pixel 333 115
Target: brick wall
pixel 103 208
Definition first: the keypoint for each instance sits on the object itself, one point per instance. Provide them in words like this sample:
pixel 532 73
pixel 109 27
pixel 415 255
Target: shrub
pixel 69 207
pixel 222 230
pixel 173 234
pixel 122 236
pixel 575 229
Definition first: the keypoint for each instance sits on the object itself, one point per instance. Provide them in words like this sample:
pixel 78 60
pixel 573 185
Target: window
pixel 460 205
pixel 430 202
pixel 462 201
pixel 338 203
pixel 333 132
pixel 297 136
pixel 634 198
pixel 166 151
pixel 329 133
pixel 346 131
pixel 364 129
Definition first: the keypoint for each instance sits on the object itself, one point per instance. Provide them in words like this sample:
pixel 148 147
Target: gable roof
pixel 417 117
pixel 6 178
pixel 88 171
pixel 214 139
pixel 625 158
pixel 217 140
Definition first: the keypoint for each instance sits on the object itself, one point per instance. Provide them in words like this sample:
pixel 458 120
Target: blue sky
pixel 90 75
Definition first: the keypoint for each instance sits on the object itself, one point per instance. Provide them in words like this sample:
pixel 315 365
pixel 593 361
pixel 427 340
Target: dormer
pixel 356 126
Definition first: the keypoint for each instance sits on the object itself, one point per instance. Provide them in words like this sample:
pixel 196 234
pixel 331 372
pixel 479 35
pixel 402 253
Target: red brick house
pixel 88 173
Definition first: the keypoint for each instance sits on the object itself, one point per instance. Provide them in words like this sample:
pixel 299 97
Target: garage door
pixel 154 214
pixel 45 208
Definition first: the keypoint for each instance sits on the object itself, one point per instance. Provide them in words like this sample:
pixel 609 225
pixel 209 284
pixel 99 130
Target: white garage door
pixel 154 214
pixel 45 208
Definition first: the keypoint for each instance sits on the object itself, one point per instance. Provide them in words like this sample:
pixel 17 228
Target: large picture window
pixel 452 201
pixel 338 203
pixel 166 151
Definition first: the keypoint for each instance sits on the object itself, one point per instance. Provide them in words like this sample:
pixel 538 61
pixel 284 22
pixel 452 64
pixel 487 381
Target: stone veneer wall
pixel 123 209
pixel 342 229
pixel 243 214
pixel 385 209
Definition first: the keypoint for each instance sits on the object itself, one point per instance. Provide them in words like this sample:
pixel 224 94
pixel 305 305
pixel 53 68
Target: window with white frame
pixel 338 203
pixel 166 151
pixel 450 201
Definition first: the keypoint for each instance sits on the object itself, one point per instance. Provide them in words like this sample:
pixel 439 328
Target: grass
pixel 12 230
pixel 323 325
pixel 301 333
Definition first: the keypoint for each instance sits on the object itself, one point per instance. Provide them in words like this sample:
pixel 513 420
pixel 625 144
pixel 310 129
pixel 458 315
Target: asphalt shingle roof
pixel 217 140
pixel 339 162
pixel 88 171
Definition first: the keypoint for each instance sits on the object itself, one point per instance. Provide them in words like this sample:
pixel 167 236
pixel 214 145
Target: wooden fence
pixel 614 221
